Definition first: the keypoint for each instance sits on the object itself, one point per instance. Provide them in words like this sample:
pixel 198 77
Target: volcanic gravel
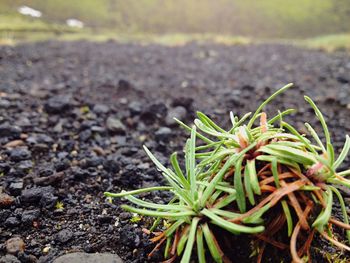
pixel 74 117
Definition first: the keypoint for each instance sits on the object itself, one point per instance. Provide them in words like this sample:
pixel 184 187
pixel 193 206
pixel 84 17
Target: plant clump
pixel 261 180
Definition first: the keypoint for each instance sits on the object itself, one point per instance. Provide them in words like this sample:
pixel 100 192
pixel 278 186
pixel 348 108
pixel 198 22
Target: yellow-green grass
pixel 329 43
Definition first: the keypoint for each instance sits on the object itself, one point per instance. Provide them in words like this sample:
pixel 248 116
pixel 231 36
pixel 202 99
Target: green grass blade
pixel 187 128
pixel 200 246
pixel 192 163
pixel 138 191
pixel 300 137
pixel 232 118
pixel 178 171
pixel 288 215
pixel 315 136
pixel 251 122
pixel 321 118
pixel 210 131
pixel 182 242
pixel 205 118
pixel 224 213
pixel 343 153
pixel 213 246
pixel 289 153
pixel 225 201
pixel 237 182
pixel 153 213
pixel 160 166
pixel 253 176
pixel 323 218
pixel 167 247
pixel 280 115
pixel 240 122
pixel 269 158
pixel 275 172
pixel 343 209
pixel 190 242
pixel 229 163
pixel 173 227
pixel 330 152
pixel 217 156
pixel 229 226
pixel 256 217
pixel 142 203
pixel 248 186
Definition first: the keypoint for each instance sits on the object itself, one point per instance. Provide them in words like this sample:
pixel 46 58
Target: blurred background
pixel 322 23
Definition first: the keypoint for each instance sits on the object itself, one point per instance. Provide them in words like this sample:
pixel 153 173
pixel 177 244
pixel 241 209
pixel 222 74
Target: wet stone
pixel 80 257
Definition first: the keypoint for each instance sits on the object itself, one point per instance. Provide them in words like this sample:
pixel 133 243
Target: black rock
pixel 128 236
pixel 79 173
pixel 135 107
pixel 25 165
pixel 114 125
pixel 178 112
pixel 29 216
pixel 19 154
pixel 154 112
pixel 343 78
pixel 4 167
pixel 33 195
pixel 58 104
pixel 39 138
pixel 93 161
pixel 185 102
pixel 129 151
pixel 64 236
pixel 46 171
pixel 48 200
pixel 40 148
pixel 130 176
pixel 7 130
pixel 5 104
pixel 12 221
pixel 100 109
pixel 85 135
pixel 112 165
pixel 124 84
pixel 62 165
pixel 163 134
pixel 15 188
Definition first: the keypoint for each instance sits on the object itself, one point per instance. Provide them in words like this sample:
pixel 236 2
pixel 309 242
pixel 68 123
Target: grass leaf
pixel 190 242
pixel 251 122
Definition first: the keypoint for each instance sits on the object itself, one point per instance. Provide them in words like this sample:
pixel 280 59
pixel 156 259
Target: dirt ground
pixel 74 117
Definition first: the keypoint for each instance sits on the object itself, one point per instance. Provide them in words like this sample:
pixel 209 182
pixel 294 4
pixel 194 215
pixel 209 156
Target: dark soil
pixel 74 117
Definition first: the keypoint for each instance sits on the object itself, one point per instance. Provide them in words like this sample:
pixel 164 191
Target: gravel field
pixel 74 117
